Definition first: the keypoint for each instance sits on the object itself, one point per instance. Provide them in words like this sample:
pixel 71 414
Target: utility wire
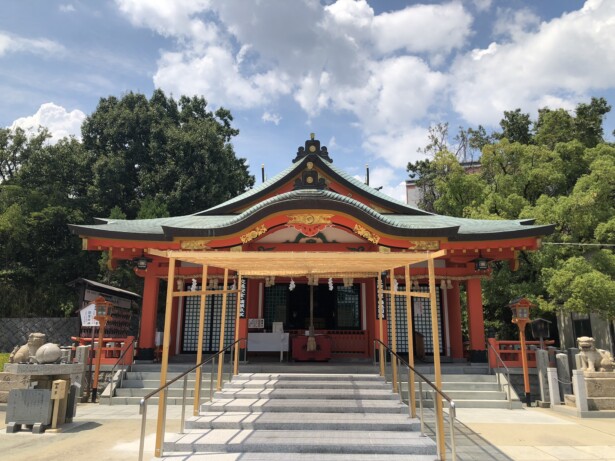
pixel 582 244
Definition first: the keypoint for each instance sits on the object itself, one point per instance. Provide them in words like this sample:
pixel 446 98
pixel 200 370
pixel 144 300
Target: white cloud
pixel 175 18
pixel 562 60
pixel 271 117
pixel 399 147
pixel 423 28
pixel 67 8
pixel 57 119
pixel 514 23
pixel 482 5
pixel 387 181
pixel 389 72
pixel 14 44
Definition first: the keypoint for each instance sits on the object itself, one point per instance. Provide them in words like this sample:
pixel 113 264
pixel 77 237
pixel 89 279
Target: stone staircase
pixel 470 386
pixel 296 416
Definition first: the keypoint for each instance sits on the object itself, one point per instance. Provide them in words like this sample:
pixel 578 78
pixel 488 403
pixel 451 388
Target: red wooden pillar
pixel 454 321
pixel 476 321
pixel 149 310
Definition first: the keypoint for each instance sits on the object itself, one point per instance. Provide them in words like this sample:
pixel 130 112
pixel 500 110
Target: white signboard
pixel 87 316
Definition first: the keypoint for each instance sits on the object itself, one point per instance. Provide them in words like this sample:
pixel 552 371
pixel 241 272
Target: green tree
pixel 174 153
pixel 516 127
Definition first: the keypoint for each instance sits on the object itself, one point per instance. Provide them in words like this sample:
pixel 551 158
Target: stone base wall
pixel 600 390
pixel 15 331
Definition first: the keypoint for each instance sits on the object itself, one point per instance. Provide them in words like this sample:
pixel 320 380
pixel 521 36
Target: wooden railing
pixel 510 352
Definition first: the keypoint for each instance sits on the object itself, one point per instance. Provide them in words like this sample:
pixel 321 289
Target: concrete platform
pixel 528 434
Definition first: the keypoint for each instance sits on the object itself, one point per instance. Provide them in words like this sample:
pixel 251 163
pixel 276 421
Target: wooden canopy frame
pixel 324 264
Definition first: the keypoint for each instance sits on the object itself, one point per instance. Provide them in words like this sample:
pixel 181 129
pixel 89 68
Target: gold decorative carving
pixel 309 165
pixel 194 244
pixel 260 230
pixel 310 219
pixel 424 245
pixel 363 232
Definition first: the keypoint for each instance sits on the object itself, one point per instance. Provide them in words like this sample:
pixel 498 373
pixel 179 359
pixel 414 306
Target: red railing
pixel 111 350
pixel 510 352
pixel 344 343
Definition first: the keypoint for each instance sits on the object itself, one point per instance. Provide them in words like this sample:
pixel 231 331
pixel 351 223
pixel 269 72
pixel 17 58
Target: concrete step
pixel 238 383
pixel 457 378
pixel 482 403
pixel 267 456
pixel 307 393
pixel 284 441
pixel 307 406
pixel 446 387
pixel 304 421
pixel 466 395
pixel 307 377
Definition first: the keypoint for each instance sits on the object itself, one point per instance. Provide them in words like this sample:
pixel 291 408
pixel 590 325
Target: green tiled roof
pixel 405 225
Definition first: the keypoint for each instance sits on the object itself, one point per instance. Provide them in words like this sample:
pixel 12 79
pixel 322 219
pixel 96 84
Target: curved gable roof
pixel 327 168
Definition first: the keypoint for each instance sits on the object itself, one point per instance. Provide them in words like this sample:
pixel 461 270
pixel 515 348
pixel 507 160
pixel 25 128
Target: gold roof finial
pixel 312 135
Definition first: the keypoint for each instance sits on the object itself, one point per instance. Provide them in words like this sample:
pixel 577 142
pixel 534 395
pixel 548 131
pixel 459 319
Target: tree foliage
pixel 139 157
pixel 557 169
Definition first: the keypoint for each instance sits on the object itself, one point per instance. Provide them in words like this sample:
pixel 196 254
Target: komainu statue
pixel 593 359
pixel 27 352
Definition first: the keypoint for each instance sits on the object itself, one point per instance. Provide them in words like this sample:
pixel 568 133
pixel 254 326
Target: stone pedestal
pixel 29 382
pixel 38 376
pixel 600 390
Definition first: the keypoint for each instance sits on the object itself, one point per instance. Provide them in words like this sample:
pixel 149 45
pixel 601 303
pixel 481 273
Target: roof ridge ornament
pixel 312 147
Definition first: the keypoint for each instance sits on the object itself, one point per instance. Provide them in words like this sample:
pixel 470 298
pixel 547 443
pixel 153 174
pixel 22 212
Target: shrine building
pixel 314 249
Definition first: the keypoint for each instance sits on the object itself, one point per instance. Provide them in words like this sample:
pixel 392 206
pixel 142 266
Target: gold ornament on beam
pixel 258 231
pixel 194 244
pixel 309 218
pixel 363 232
pixel 424 245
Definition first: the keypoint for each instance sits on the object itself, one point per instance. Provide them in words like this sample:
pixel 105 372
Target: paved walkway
pixel 108 433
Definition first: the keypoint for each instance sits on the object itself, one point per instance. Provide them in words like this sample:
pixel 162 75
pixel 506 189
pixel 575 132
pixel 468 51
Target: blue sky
pixel 368 77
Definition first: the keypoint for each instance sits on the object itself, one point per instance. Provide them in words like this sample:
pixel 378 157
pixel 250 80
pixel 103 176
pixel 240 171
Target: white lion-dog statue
pixel 593 359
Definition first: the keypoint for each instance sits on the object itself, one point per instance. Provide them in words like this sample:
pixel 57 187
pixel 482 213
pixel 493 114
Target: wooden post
pixel 237 313
pixel 436 357
pixel 222 328
pixel 393 331
pixel 526 379
pixel 101 333
pixel 380 312
pixel 409 319
pixel 199 349
pixel 166 339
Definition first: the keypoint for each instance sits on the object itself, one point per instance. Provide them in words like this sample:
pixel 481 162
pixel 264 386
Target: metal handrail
pixel 143 402
pixel 498 357
pixel 112 381
pixel 451 403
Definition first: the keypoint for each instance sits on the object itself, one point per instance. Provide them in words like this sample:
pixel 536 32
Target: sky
pixel 367 77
